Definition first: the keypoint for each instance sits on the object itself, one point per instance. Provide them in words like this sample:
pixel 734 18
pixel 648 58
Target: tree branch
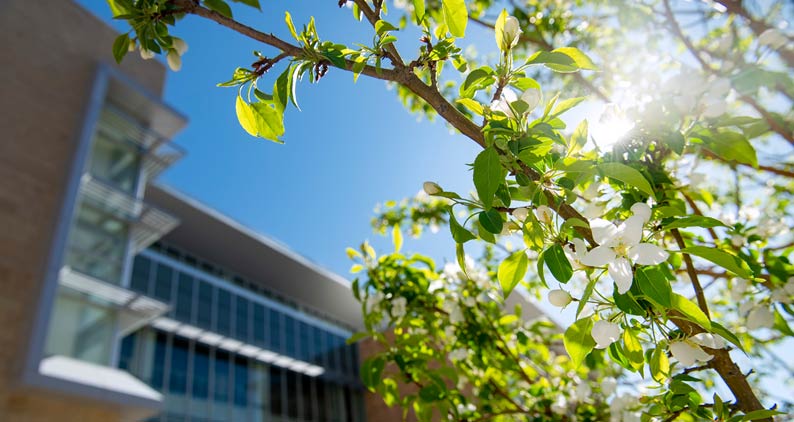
pixel 693 275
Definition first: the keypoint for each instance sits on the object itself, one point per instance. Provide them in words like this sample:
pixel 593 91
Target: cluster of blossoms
pixel 174 57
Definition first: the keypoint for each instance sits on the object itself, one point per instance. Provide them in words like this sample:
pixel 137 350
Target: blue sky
pixel 352 145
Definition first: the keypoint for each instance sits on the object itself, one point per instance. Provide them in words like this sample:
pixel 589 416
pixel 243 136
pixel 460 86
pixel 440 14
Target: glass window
pixel 319 357
pixel 97 244
pixel 292 394
pixel 80 329
pixel 204 306
pixel 274 334
pixel 276 393
pixel 289 336
pixel 158 366
pixel 184 298
pixel 223 322
pixel 332 352
pixel 177 383
pixel 241 321
pixel 258 325
pixel 139 280
pixel 127 353
pixel 304 343
pixel 322 411
pixel 240 381
pixel 115 162
pixel 307 402
pixel 162 283
pixel 222 376
pixel 201 371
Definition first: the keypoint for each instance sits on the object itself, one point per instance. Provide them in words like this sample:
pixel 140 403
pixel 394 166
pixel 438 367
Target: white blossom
pixel 459 354
pixel 398 307
pixel 641 209
pixel 760 317
pixel 531 97
pixel 179 45
pixel 712 341
pixel 619 246
pixel 687 352
pixel 608 386
pixel 772 38
pixel 583 391
pixel 559 298
pixel 432 188
pixel 544 214
pixel 605 333
pixel 560 405
pixel 575 251
pixel 146 54
pixel 738 240
pixel 521 213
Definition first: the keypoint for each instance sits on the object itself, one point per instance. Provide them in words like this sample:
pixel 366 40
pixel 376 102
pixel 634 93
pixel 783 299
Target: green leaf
pixel 281 90
pixel 459 233
pixel 512 270
pixel 564 106
pixel 654 285
pixel 716 328
pixel 693 221
pixel 456 16
pixel 491 220
pixel 760 414
pixel 627 175
pixel 381 27
pixel 471 105
pixel 251 3
pixel 660 365
pixel 725 260
pixel 295 72
pixel 371 371
pixel 120 47
pixel 476 80
pixel 419 11
pixel 499 30
pixel 579 58
pixel 488 175
pixel 219 6
pixel 633 349
pixel 260 119
pixel 578 341
pixel 558 263
pixel 781 325
pixel 691 311
pixel 578 138
pixel 290 25
pixel 397 237
pixel 732 146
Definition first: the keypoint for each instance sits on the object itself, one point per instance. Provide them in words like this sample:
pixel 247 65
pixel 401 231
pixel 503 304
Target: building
pixel 124 300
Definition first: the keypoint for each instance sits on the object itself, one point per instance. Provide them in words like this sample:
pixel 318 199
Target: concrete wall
pixel 50 51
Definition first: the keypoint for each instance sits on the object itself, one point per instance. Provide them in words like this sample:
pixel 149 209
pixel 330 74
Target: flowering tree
pixel 674 276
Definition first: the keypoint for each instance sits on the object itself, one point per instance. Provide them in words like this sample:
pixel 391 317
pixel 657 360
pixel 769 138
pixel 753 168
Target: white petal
pixel 647 254
pixel 620 271
pixel 688 353
pixel 643 210
pixel 509 95
pixel 532 97
pixel 605 333
pixel 760 317
pixel 631 230
pixel 709 340
pixel 599 256
pixel 580 249
pixel 603 231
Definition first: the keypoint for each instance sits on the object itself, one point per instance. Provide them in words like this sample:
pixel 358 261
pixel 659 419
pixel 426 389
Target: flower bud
pixel 174 60
pixel 432 188
pixel 146 54
pixel 559 298
pixel 521 213
pixel 179 45
pixel 511 32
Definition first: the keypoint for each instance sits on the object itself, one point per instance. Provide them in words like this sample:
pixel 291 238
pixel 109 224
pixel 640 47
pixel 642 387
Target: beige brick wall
pixel 50 52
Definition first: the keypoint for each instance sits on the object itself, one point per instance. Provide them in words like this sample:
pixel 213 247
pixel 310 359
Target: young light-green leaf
pixel 512 270
pixel 655 286
pixel 578 340
pixel 456 16
pixel 627 175
pixel 488 175
pixel 397 237
pixel 691 311
pixel 459 233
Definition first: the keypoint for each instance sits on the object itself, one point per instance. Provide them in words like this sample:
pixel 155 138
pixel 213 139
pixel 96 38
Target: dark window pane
pixel 184 298
pixel 127 353
pixel 178 373
pixel 307 403
pixel 259 325
pixel 204 306
pixel 304 342
pixel 241 321
pixel 344 351
pixel 319 347
pixel 139 281
pixel 223 323
pixel 332 355
pixel 354 357
pixel 222 376
pixel 274 336
pixel 292 394
pixel 240 381
pixel 158 365
pixel 322 411
pixel 201 371
pixel 162 283
pixel 276 392
pixel 289 335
